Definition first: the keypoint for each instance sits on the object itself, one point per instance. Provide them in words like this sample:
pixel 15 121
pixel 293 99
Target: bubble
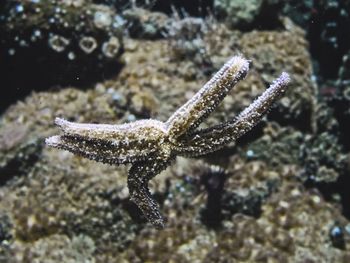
pixel 250 154
pixel 23 43
pixel 71 55
pixel 58 43
pixel 36 35
pixel 19 8
pixel 87 44
pixel 111 48
pixel 11 51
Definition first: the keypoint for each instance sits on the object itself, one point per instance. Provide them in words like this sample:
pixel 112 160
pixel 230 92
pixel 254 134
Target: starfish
pixel 151 145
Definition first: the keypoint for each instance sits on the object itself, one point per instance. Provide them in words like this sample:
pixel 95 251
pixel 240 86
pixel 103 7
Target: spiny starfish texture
pixel 151 145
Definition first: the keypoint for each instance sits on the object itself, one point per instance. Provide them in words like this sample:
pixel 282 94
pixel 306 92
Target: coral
pixel 46 42
pixel 247 187
pixel 344 72
pixel 270 146
pixel 245 14
pixel 271 50
pixel 25 125
pixel 272 47
pixel 323 158
pixel 17 151
pixel 6 236
pixel 292 220
pixel 181 237
pixel 5 228
pixel 187 40
pixel 54 249
pixel 142 23
pixel 238 13
pixel 45 210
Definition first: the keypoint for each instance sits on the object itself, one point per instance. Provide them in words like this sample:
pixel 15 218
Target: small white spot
pixel 11 51
pixel 71 55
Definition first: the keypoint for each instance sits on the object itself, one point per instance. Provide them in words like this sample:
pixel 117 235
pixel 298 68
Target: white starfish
pixel 151 145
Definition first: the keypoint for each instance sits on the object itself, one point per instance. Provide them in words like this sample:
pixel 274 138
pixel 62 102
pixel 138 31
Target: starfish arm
pixel 134 131
pixel 192 113
pixel 99 150
pixel 213 138
pixel 113 144
pixel 139 175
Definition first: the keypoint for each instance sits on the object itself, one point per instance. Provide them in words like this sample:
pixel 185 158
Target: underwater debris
pixel 151 145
